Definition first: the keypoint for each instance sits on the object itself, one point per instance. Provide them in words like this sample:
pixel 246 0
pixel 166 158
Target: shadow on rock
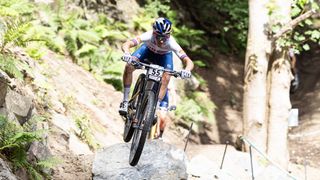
pixel 159 160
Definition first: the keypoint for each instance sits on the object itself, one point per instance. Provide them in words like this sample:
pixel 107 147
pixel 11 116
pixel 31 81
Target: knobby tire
pixel 141 133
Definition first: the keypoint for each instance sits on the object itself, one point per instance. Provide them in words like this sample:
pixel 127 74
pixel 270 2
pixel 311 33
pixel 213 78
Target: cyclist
pixel 157 46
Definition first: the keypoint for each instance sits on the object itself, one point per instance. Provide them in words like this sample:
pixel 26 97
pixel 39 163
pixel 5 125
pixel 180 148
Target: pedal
pixel 123 113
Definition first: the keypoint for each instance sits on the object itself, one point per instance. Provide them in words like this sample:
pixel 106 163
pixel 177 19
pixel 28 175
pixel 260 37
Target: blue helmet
pixel 162 26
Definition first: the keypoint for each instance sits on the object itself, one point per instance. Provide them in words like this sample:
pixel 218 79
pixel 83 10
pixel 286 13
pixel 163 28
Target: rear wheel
pixel 145 123
pixel 128 129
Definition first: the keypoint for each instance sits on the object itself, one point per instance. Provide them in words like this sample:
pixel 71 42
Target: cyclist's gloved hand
pixel 127 58
pixel 185 74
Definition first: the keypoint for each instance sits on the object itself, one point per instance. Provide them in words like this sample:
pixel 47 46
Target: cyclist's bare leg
pixel 163 122
pixel 164 85
pixel 127 75
pixel 127 80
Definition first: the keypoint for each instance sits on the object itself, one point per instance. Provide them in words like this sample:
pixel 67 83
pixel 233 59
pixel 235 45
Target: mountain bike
pixel 142 107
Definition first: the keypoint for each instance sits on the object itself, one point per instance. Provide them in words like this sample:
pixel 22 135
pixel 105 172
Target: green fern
pixel 9 65
pixel 14 30
pixel 15 8
pixel 189 110
pixel 88 36
pixel 14 141
pixel 84 124
pixel 86 50
pixel 81 24
pixel 35 51
pixel 49 162
pixel 46 36
pixel 111 35
pixel 71 43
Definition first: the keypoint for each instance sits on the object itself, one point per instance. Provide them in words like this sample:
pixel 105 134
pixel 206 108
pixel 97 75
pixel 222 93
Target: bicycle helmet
pixel 162 26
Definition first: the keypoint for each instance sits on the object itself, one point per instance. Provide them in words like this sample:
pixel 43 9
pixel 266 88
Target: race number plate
pixel 155 72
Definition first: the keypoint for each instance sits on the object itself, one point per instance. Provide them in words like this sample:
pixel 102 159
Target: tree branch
pixel 293 23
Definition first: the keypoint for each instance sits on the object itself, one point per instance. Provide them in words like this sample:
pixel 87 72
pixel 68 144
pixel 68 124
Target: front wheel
pixel 145 122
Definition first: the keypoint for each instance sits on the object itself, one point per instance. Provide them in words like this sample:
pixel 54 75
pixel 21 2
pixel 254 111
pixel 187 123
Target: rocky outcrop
pixel 159 160
pixel 5 172
pixel 14 104
pixel 18 106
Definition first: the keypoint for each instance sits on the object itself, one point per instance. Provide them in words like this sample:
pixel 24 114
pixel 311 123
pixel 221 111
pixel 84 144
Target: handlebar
pixel 141 65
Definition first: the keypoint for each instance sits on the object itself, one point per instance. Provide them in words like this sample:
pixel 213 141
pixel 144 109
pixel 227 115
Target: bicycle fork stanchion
pixel 251 162
pixel 185 146
pixel 224 153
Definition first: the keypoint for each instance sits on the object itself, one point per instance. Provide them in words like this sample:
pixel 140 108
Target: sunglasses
pixel 161 37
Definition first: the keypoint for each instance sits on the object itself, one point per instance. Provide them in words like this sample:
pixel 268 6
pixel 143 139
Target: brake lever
pixel 136 65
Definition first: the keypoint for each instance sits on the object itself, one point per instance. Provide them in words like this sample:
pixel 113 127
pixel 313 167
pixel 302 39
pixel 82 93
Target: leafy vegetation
pixel 306 31
pixel 14 142
pixel 302 35
pixel 189 110
pixel 14 22
pixel 226 22
pixel 83 122
pixel 196 107
pixel 9 65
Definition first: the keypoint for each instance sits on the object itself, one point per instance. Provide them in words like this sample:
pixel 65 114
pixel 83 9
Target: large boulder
pixel 159 160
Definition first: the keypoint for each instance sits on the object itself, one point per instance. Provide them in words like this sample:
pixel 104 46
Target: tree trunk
pixel 279 100
pixel 254 105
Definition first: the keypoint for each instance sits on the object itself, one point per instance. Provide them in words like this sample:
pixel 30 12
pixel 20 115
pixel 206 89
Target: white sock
pixel 126 93
pixel 158 104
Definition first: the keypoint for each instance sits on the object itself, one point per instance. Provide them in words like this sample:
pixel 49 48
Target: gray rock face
pixel 20 105
pixel 17 103
pixel 3 91
pixel 158 161
pixel 5 172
